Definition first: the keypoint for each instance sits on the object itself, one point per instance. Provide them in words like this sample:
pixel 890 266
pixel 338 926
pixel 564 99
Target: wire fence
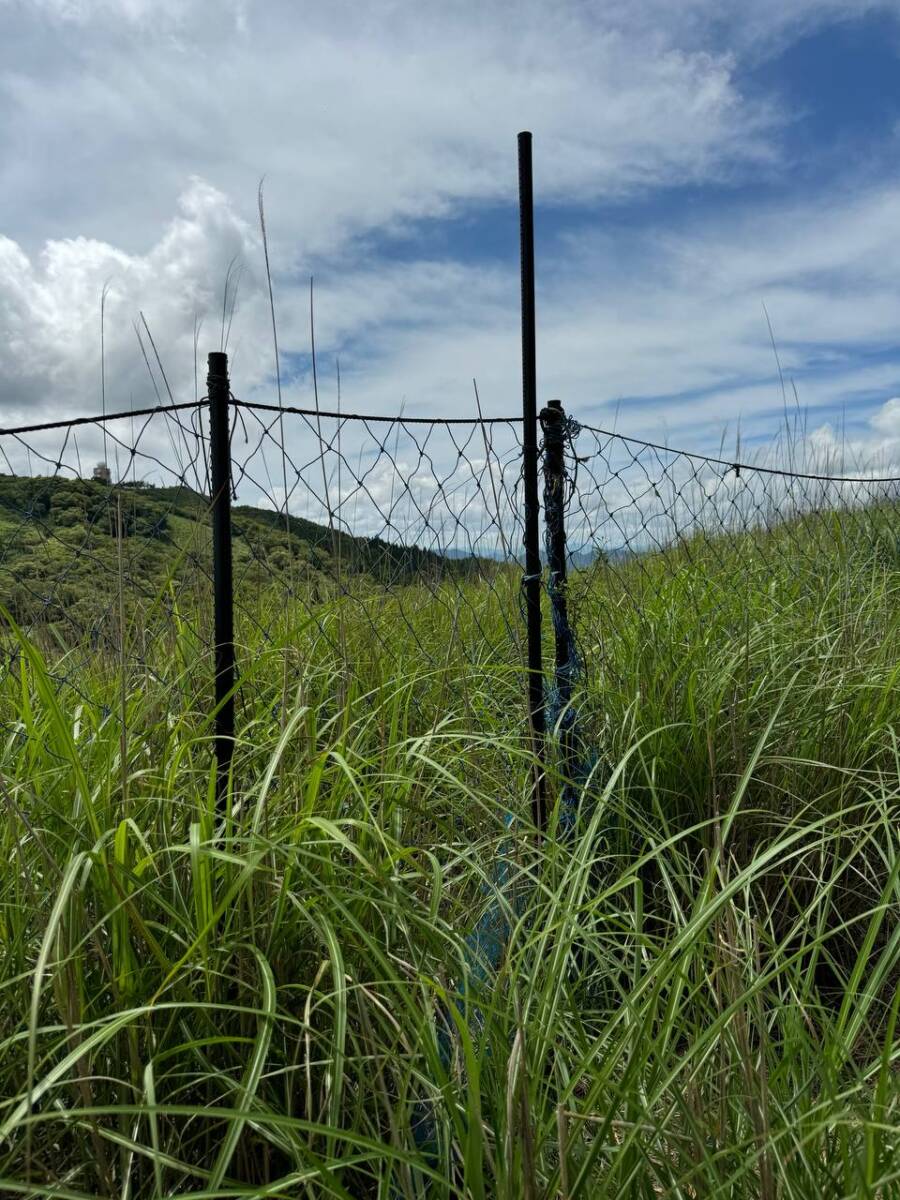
pixel 387 524
pixel 642 519
pixel 367 546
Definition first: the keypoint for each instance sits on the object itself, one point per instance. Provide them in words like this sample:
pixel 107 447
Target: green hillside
pixel 61 553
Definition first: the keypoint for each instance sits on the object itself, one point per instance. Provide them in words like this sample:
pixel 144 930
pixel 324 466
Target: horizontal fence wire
pixel 367 545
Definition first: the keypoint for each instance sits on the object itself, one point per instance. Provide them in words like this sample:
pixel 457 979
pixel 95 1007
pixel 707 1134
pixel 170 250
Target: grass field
pixel 698 991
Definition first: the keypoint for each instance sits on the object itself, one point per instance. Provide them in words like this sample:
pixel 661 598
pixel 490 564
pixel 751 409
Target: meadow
pixel 371 978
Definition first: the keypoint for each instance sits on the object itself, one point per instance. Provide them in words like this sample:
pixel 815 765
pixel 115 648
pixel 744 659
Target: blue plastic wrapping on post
pixel 487 941
pixel 559 429
pixel 485 946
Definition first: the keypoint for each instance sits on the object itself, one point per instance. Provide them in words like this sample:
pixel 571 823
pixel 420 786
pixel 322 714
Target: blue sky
pixel 697 164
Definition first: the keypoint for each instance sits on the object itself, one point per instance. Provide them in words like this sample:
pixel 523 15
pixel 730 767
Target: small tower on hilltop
pixel 102 473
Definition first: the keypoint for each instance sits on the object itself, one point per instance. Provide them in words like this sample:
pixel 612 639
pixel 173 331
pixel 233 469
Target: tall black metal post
pixel 532 581
pixel 219 392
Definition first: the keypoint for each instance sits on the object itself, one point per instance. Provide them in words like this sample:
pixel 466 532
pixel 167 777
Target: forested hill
pixel 61 549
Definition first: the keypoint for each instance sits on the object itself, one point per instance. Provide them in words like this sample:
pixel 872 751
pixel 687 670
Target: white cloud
pixel 887 419
pixel 368 119
pixel 415 333
pixel 50 310
pixel 872 450
pixel 360 117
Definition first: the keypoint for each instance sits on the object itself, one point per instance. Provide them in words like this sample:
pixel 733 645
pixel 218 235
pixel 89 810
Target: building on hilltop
pixel 102 473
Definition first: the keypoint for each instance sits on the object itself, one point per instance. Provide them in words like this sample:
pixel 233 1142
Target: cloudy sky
pixel 699 164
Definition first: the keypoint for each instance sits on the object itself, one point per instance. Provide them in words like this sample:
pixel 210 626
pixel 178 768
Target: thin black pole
pixel 532 582
pixel 219 392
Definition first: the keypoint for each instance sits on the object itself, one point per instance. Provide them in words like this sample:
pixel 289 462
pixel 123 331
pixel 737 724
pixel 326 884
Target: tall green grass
pixel 699 991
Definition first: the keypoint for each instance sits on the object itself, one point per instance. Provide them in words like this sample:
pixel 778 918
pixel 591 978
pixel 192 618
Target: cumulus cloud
pixel 133 135
pixel 50 310
pixel 360 117
pixel 873 449
pixel 887 419
pixel 682 347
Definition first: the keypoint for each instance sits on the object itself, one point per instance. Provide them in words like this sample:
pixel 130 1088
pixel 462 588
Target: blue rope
pixel 486 943
pixel 564 716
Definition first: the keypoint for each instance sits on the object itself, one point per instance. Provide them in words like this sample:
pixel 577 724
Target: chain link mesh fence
pixel 360 545
pixel 364 545
pixel 642 519
pixel 676 557
pixel 396 536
